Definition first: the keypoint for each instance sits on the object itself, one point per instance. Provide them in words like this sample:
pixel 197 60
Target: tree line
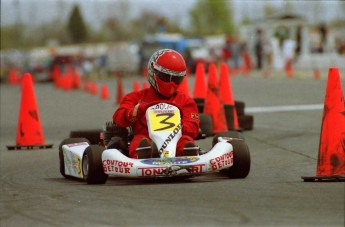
pixel 207 17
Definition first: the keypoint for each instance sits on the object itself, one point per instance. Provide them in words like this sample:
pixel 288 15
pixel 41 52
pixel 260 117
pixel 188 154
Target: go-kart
pixel 95 162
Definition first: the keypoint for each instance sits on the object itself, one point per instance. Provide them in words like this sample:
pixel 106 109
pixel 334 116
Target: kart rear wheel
pixel 61 156
pixel 206 124
pixel 92 135
pixel 92 165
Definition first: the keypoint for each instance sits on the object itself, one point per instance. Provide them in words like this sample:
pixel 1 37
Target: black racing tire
pixel 206 124
pixel 92 165
pixel 242 162
pixel 200 103
pixel 61 157
pixel 239 105
pixel 229 115
pixel 246 122
pixel 241 166
pixel 93 135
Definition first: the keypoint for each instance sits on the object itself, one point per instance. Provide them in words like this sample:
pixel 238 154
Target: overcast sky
pixel 95 11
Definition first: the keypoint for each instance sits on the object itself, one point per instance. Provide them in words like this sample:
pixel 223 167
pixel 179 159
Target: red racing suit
pixel 187 106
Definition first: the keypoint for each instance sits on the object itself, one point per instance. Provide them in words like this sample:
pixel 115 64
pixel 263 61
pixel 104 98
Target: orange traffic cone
pixel 76 81
pixel 213 103
pixel 94 88
pixel 144 71
pixel 184 88
pixel 67 81
pixel 200 87
pixel 316 74
pixel 289 69
pixel 331 158
pixel 13 76
pixel 120 91
pixel 225 86
pixel 86 86
pixel 145 85
pixel 59 81
pixel 56 75
pixel 136 86
pixel 233 71
pixel 104 92
pixel 29 130
pixel 228 99
pixel 247 63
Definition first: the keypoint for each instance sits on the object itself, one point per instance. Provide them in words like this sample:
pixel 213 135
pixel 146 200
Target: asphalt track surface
pixel 283 145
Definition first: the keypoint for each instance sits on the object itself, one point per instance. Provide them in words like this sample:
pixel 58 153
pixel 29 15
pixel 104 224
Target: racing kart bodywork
pixel 94 163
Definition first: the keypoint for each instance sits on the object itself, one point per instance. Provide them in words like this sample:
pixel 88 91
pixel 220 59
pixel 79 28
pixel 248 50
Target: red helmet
pixel 166 71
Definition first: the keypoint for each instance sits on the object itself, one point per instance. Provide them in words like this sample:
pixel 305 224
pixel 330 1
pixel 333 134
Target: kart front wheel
pixel 241 166
pixel 92 165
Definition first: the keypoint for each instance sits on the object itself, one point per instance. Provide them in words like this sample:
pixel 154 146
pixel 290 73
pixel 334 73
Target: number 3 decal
pixel 160 121
pixel 165 121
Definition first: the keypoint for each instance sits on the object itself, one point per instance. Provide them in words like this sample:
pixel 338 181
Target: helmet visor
pixel 168 78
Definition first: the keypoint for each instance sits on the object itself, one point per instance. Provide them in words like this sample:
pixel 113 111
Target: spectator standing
pixel 259 48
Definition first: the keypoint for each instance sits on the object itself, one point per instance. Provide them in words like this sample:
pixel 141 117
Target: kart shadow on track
pixel 120 181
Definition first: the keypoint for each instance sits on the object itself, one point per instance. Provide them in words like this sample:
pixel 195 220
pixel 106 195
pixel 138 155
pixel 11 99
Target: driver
pixel 166 71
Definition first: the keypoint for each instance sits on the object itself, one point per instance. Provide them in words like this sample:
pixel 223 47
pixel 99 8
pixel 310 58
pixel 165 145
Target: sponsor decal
pixel 72 163
pixel 163 120
pixel 169 161
pixel 170 138
pixel 111 166
pixel 77 165
pixel 200 168
pixel 195 116
pixel 219 162
pixel 151 171
pixel 171 170
pixel 162 106
pixel 165 154
pixel 166 124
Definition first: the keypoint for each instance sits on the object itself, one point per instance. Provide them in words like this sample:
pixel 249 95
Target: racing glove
pixel 137 112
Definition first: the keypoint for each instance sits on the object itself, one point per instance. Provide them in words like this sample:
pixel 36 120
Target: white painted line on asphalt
pixel 283 108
